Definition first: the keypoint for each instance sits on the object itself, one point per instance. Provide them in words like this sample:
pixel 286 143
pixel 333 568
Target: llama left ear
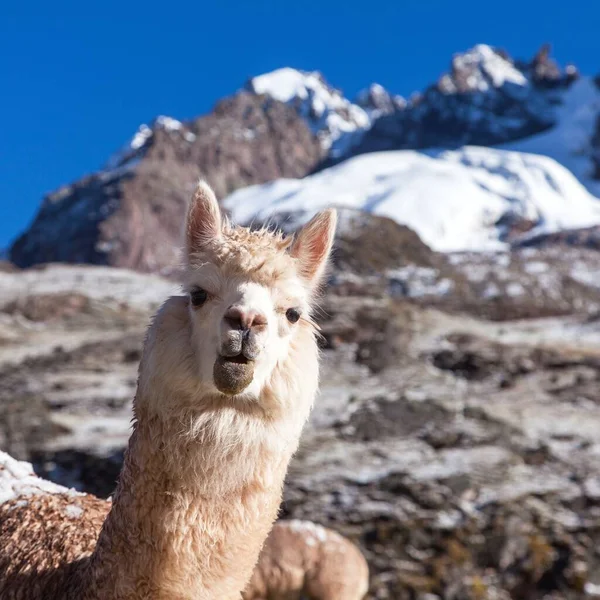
pixel 204 221
pixel 313 245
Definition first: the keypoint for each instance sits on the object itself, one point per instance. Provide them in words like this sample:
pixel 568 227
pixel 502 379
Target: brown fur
pixel 202 477
pixel 304 560
pixel 45 541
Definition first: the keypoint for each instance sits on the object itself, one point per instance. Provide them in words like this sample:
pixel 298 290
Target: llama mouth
pixel 238 359
pixel 233 374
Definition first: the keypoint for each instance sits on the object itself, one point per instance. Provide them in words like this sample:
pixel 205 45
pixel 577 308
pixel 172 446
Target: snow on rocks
pixel 331 116
pixel 141 140
pixel 479 69
pixel 377 101
pixel 104 284
pixel 17 479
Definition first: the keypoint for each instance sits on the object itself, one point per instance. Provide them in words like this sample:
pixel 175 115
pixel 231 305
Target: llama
pixel 226 382
pixel 304 560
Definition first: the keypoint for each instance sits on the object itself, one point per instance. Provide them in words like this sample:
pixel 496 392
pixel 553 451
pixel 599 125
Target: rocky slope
pixel 453 440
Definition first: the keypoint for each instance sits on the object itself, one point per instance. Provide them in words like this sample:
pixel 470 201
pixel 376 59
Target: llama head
pixel 249 293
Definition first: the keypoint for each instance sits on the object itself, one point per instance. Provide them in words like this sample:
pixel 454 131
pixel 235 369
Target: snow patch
pixel 569 141
pixel 17 479
pixel 415 282
pixel 142 135
pixel 73 511
pixel 591 589
pixel 454 199
pixel 104 284
pixel 514 289
pixel 536 267
pixel 168 123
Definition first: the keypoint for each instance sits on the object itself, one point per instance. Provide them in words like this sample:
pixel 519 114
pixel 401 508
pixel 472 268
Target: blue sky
pixel 77 78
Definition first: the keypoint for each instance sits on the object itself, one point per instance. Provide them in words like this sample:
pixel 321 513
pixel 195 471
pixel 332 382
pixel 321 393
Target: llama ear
pixel 313 245
pixel 204 220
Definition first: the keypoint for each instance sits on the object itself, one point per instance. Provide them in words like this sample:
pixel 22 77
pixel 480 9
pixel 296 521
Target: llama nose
pixel 243 319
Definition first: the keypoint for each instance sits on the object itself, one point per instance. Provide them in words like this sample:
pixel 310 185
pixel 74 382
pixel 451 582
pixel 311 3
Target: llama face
pixel 242 327
pixel 249 295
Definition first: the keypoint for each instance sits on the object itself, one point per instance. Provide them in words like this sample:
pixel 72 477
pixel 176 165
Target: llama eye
pixel 198 296
pixel 292 315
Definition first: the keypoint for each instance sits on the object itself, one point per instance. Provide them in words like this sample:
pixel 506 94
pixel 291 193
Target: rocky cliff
pixel 129 214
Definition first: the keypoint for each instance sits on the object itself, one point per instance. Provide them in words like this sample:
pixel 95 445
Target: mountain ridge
pixel 290 124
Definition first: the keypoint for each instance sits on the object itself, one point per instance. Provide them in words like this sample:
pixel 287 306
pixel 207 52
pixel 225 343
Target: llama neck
pixel 189 517
pixel 202 479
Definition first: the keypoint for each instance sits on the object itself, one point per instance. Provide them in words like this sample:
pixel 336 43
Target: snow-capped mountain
pixel 469 199
pixel 129 214
pixel 472 197
pixel 486 98
pixel 336 121
pixel 457 162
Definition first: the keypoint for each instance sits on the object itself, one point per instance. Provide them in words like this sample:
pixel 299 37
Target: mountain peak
pixel 479 69
pixel 286 84
pixel 142 139
pixel 377 101
pixel 330 115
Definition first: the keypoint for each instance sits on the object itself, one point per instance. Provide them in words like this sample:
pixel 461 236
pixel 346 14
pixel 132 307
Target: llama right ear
pixel 313 245
pixel 204 220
